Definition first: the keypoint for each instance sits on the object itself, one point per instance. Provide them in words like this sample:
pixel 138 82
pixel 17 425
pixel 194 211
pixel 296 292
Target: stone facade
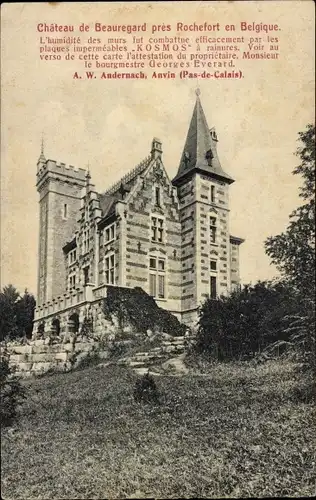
pixel 170 238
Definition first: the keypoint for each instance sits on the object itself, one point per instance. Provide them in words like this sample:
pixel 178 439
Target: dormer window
pixel 209 157
pixel 213 134
pixel 186 159
pixel 72 257
pixel 109 234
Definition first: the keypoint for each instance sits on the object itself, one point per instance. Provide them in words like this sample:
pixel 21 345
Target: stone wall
pixel 85 303
pixel 36 357
pixel 39 357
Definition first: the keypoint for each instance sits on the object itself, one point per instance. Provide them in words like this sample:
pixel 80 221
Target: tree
pixel 8 299
pixel 25 313
pixel 293 251
pixel 16 313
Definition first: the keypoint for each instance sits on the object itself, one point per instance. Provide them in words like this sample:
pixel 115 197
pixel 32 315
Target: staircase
pixel 143 361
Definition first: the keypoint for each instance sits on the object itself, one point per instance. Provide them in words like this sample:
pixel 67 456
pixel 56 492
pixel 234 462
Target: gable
pixel 154 192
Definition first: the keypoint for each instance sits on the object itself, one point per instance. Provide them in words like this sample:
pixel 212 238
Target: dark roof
pixel 70 245
pixel 236 240
pixel 200 149
pixel 107 204
pixel 111 196
pixel 129 179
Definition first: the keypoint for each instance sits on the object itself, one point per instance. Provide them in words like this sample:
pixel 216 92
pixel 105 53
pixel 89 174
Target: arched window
pixel 41 328
pixel 56 326
pixel 73 323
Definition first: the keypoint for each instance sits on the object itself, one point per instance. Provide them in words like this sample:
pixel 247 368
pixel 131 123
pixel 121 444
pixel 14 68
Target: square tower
pixel 59 187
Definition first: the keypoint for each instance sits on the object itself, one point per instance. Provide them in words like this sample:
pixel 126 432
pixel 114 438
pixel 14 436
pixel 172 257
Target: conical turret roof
pixel 200 149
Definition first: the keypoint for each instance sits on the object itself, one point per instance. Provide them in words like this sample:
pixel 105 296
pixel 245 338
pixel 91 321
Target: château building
pixel 169 237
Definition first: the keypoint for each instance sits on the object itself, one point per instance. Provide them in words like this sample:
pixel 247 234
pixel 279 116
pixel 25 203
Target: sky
pixel 109 124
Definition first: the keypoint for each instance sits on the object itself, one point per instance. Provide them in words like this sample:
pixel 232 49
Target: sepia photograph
pixel 157 301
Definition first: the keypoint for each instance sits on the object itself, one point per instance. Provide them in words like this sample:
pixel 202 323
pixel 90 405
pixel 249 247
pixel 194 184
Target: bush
pixel 300 346
pixel 11 393
pixel 86 327
pixel 246 322
pixel 145 390
pixel 116 350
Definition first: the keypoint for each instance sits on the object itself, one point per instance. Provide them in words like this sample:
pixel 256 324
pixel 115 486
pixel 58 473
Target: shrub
pixel 11 393
pixel 145 390
pixel 86 327
pixel 85 360
pixel 244 323
pixel 116 350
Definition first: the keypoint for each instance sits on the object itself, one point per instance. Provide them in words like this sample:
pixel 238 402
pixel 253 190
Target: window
pixel 212 194
pixel 152 285
pixel 109 233
pixel 213 229
pixel 109 265
pixel 161 265
pixel 209 157
pixel 72 257
pixel 86 275
pixel 157 229
pixel 157 196
pixel 65 211
pixel 86 213
pixel 157 277
pixel 152 262
pixel 85 241
pixel 213 265
pixel 213 290
pixel 161 286
pixel 72 281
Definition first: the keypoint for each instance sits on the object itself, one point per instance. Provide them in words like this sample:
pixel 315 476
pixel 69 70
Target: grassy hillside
pixel 231 433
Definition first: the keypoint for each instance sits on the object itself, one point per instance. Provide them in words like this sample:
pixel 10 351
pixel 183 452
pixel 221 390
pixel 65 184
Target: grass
pixel 232 432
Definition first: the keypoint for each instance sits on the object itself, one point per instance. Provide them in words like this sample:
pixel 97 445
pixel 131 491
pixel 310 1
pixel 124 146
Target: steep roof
pixel 107 203
pixel 130 178
pixel 200 149
pixel 111 196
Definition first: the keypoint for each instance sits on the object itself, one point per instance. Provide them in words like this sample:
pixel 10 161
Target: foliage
pixel 116 350
pixel 135 307
pixel 245 322
pixel 86 359
pixel 16 313
pixel 300 346
pixel 145 390
pixel 11 393
pixel 293 251
pixel 87 326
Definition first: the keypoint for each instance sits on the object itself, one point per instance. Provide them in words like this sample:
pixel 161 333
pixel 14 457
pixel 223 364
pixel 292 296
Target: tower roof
pixel 42 158
pixel 200 149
